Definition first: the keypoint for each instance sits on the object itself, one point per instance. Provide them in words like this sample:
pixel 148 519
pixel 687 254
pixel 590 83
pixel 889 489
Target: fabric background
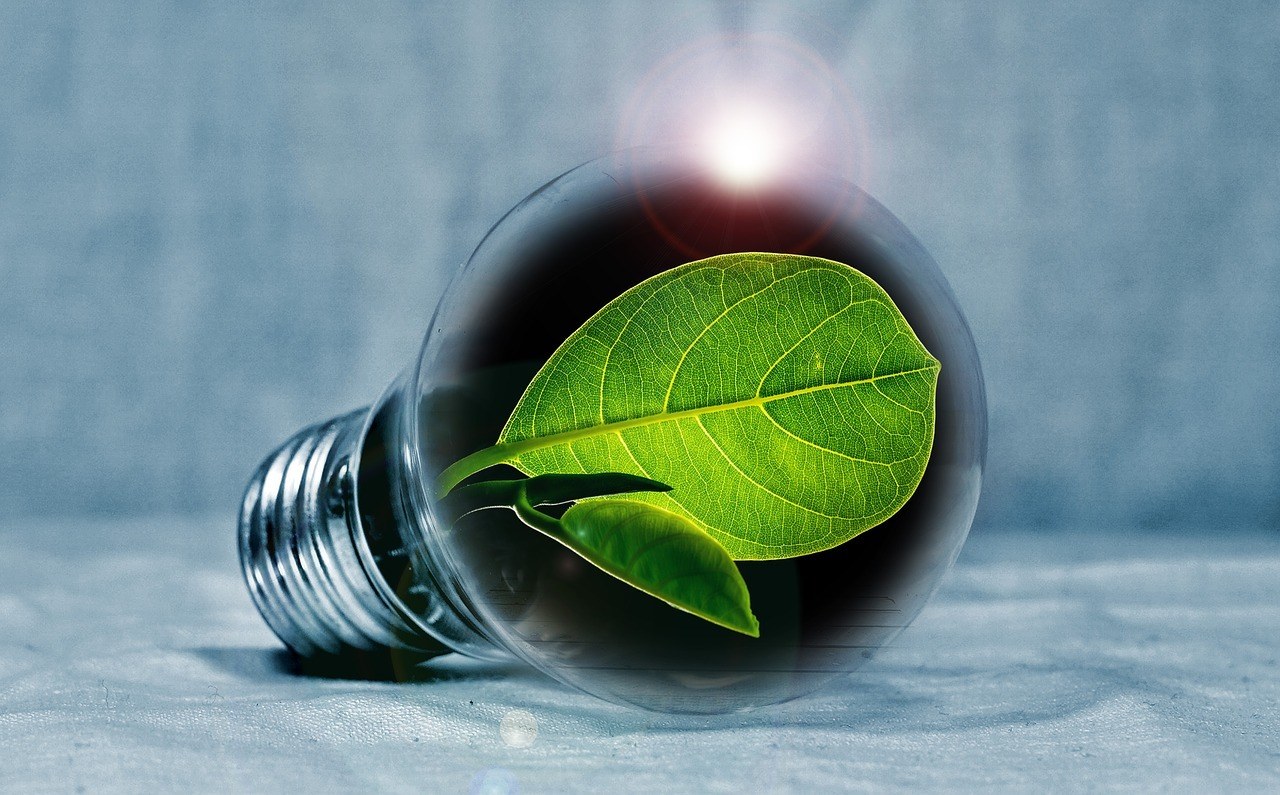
pixel 1067 661
pixel 222 221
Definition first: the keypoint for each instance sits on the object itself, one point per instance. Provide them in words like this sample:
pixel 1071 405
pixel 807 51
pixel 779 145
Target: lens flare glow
pixel 750 108
pixel 744 146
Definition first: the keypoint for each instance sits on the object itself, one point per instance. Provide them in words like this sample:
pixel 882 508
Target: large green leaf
pixel 657 551
pixel 784 399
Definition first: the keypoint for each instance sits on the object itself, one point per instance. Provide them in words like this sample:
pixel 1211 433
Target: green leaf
pixel 545 490
pixel 784 398
pixel 555 489
pixel 656 551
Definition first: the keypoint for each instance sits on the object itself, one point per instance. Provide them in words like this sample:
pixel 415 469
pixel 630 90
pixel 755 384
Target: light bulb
pixel 347 545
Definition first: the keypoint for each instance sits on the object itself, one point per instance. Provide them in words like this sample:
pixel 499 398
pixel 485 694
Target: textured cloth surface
pixel 1069 661
pixel 222 221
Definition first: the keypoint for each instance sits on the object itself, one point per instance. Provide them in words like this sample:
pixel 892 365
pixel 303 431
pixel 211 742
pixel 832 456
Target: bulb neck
pixel 332 561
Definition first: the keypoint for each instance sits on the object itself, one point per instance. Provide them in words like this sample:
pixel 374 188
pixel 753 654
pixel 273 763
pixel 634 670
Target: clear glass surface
pixel 551 263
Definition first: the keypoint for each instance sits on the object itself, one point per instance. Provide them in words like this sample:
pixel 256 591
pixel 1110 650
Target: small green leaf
pixel 554 489
pixel 785 399
pixel 545 490
pixel 656 551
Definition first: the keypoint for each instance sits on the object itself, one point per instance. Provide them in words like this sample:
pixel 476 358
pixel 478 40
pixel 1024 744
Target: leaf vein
pixel 761 486
pixel 680 363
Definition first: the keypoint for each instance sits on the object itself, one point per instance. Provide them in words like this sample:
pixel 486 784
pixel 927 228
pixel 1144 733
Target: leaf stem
pixel 467 466
pixel 478 496
pixel 533 517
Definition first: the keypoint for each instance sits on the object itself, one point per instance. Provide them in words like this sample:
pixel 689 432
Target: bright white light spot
pixel 518 729
pixel 745 146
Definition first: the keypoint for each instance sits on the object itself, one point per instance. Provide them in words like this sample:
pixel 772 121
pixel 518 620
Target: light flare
pixel 745 146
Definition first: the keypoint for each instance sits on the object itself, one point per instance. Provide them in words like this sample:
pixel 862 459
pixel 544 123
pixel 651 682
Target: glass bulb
pixel 345 546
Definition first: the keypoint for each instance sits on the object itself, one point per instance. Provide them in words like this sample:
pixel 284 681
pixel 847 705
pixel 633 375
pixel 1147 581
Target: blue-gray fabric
pixel 221 221
pixel 1049 662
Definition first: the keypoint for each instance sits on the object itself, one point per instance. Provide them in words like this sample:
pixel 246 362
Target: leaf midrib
pixel 502 453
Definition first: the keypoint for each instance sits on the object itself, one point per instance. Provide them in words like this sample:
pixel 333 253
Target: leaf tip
pixel 745 624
